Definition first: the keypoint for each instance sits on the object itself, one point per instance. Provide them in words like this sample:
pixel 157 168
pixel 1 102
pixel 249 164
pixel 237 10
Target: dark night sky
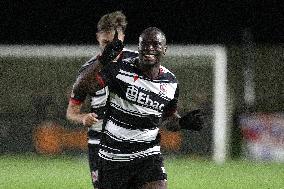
pixel 188 22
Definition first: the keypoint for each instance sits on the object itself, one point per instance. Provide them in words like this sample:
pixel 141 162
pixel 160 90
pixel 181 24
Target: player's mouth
pixel 149 57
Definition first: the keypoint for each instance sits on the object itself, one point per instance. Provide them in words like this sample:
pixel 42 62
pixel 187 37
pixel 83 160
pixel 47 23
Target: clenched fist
pixel 89 119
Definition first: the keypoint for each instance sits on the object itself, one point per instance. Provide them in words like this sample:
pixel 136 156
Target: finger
pixel 92 119
pixel 95 120
pixel 115 36
pixel 87 122
pixel 94 115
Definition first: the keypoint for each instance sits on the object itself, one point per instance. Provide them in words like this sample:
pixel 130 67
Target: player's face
pixel 152 48
pixel 106 37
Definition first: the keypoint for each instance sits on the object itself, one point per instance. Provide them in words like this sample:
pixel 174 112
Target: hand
pixel 192 120
pixel 89 119
pixel 111 50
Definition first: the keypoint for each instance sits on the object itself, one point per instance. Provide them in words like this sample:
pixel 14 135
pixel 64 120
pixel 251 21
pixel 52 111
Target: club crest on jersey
pixel 133 94
pixel 163 88
pixel 135 77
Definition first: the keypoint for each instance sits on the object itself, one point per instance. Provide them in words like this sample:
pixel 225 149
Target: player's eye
pixel 150 44
pixel 156 45
pixel 143 44
pixel 106 42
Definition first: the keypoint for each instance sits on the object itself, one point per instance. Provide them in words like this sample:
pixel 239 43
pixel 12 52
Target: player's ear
pixel 165 49
pixel 97 36
pixel 122 36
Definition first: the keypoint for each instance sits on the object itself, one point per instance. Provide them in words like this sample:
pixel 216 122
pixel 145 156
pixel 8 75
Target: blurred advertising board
pixel 263 136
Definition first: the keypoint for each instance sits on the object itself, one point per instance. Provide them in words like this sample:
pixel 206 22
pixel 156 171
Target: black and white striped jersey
pixel 136 106
pixel 99 99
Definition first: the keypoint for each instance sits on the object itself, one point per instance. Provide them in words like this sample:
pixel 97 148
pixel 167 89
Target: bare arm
pixel 86 83
pixel 75 115
pixel 89 81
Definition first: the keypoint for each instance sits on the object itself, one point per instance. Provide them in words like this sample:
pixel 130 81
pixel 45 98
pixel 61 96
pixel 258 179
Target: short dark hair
pixel 112 21
pixel 151 30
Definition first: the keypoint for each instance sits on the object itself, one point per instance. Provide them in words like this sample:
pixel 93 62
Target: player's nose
pixel 151 47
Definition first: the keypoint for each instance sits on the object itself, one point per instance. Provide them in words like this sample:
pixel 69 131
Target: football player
pixel 143 96
pixel 106 27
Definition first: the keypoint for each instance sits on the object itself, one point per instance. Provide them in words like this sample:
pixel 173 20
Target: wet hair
pixel 112 21
pixel 154 30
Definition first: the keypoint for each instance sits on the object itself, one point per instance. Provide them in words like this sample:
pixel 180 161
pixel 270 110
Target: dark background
pixel 251 30
pixel 185 22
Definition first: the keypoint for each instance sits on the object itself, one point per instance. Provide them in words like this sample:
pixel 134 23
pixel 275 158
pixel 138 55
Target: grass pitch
pixel 65 172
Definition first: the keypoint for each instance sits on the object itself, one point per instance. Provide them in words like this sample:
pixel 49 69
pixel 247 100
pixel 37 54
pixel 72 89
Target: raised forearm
pixel 75 115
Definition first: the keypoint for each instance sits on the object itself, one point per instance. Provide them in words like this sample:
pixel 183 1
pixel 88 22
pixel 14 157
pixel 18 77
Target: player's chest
pixel 135 88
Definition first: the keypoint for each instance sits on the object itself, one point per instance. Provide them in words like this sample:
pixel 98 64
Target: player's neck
pixel 152 72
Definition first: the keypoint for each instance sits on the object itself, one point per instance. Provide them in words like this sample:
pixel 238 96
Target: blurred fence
pixel 35 92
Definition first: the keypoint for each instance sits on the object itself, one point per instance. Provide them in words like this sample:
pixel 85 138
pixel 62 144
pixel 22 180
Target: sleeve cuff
pixel 75 101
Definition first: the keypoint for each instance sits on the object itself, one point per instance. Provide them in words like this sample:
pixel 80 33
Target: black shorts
pixel 130 175
pixel 93 162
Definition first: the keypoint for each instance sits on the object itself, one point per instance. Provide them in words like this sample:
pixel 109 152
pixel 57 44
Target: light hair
pixel 112 21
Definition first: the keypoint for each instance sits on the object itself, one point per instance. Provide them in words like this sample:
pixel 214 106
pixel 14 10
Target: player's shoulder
pixel 91 61
pixel 130 61
pixel 167 74
pixel 128 53
pixel 166 70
